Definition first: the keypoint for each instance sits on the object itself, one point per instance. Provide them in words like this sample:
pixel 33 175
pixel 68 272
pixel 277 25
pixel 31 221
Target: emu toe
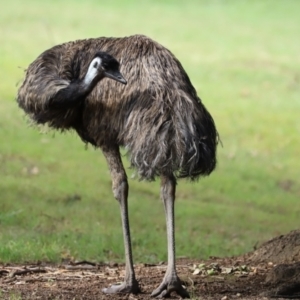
pixel 123 288
pixel 169 285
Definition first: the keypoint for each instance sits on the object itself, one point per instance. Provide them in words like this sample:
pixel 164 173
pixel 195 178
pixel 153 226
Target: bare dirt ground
pixel 272 271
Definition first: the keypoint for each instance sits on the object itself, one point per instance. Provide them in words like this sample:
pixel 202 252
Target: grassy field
pixel 242 57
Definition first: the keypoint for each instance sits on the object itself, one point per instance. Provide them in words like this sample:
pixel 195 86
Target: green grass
pixel 243 58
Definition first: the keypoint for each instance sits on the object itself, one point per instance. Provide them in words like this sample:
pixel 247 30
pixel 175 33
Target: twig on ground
pixel 84 262
pixel 26 271
pixel 3 272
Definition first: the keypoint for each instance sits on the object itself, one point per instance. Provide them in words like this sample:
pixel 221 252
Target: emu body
pixel 157 117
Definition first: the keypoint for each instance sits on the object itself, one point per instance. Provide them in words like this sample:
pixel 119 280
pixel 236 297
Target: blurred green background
pixel 242 57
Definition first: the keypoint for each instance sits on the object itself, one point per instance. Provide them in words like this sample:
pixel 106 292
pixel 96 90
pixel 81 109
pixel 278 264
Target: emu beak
pixel 116 75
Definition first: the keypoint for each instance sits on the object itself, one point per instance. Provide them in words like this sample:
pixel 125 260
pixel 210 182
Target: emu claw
pixel 168 286
pixel 123 288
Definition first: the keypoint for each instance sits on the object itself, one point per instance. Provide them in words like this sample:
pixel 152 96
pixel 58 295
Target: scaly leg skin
pixel 120 191
pixel 171 282
pixel 124 288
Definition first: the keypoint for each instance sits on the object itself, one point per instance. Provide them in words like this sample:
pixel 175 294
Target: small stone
pixel 227 270
pixel 197 271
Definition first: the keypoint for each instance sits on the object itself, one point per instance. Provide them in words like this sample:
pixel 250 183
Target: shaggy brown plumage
pixel 157 117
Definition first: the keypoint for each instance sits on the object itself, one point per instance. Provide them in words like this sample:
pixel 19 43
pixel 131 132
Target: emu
pixel 157 117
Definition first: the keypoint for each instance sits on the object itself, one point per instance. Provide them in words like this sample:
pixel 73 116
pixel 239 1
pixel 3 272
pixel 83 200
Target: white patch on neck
pixel 93 70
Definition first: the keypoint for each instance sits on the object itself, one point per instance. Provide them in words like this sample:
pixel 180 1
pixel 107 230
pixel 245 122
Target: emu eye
pixel 95 65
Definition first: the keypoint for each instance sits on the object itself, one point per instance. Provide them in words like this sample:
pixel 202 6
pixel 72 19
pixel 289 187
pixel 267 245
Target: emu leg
pixel 120 191
pixel 171 282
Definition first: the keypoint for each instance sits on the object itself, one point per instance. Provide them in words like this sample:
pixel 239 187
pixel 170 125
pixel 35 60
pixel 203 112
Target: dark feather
pixel 157 116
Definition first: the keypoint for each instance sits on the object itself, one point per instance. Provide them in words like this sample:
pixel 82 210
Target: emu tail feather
pixel 179 139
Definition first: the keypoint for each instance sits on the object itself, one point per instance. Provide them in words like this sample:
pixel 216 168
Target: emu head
pixel 103 65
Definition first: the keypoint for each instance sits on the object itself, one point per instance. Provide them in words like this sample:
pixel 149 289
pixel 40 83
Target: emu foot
pixel 170 284
pixel 124 288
